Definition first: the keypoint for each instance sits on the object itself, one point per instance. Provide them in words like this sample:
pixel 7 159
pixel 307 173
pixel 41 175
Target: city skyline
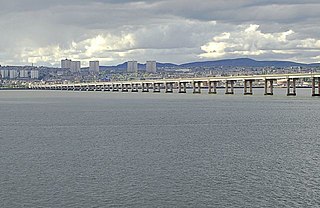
pixel 172 31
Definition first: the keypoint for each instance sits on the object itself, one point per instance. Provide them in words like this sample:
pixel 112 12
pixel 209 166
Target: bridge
pixel 181 84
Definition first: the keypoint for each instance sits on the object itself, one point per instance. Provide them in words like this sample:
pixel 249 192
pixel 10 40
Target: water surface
pixel 98 149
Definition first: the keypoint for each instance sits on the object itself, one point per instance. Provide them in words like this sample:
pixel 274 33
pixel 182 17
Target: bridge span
pixel 168 85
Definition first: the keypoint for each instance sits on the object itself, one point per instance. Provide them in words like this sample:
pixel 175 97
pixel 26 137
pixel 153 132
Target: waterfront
pixel 99 149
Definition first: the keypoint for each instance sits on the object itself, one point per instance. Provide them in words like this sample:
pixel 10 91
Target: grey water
pixel 99 149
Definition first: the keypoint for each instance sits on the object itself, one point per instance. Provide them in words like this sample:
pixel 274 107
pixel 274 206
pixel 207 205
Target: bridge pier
pixel 266 87
pixel 231 91
pixel 124 88
pixel 156 87
pixel 145 87
pixel 182 87
pixel 293 93
pixel 134 87
pixel 107 88
pixel 246 87
pixel 115 88
pixel 314 92
pixel 196 87
pixel 98 87
pixel 212 87
pixel 168 87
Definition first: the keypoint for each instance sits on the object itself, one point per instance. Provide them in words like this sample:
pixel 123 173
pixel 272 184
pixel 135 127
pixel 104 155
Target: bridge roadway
pixel 197 83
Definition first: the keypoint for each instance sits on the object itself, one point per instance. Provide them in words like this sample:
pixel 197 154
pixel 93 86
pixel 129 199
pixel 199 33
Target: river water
pixel 99 149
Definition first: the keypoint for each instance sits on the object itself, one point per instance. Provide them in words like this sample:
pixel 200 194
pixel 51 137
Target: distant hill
pixel 239 62
pixel 244 62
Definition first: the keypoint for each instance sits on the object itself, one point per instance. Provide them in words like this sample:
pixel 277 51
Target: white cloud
pixel 251 41
pixel 85 50
pixel 177 31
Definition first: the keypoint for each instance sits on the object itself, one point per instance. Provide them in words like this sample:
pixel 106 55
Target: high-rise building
pixel 13 74
pixel 75 66
pixel 23 73
pixel 4 73
pixel 94 66
pixel 151 66
pixel 66 63
pixel 34 74
pixel 132 66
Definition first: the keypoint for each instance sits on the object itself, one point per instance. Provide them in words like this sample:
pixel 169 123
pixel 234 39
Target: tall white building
pixel 66 63
pixel 4 73
pixel 94 66
pixel 34 74
pixel 132 66
pixel 13 74
pixel 23 73
pixel 74 66
pixel 151 66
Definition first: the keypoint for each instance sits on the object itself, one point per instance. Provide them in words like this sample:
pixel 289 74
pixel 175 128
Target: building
pixel 23 73
pixel 13 74
pixel 34 74
pixel 75 66
pixel 4 73
pixel 66 63
pixel 132 66
pixel 151 66
pixel 94 66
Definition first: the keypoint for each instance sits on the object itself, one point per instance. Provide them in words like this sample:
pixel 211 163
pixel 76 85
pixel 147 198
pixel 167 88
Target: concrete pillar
pixel 314 91
pixel 289 93
pixel 124 88
pixel 288 87
pixel 156 87
pixel 245 87
pixel 212 87
pixel 232 87
pixel 318 86
pixel 196 87
pixel 115 87
pixel 169 87
pixel 182 87
pixel 134 87
pixel 227 87
pixel 248 88
pixel 145 87
pixel 313 86
pixel 266 87
pixel 231 82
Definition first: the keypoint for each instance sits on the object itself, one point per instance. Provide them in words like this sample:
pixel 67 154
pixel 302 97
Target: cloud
pixel 177 31
pixel 251 41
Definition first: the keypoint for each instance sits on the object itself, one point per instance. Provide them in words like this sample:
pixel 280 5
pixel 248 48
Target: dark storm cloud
pixel 165 30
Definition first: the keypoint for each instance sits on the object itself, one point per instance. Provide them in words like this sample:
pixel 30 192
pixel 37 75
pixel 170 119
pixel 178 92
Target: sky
pixel 43 32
